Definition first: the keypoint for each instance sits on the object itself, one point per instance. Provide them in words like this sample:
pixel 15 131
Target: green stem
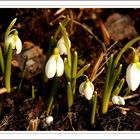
pixel 66 41
pixel 1 61
pixel 8 31
pixel 74 71
pixel 64 23
pixel 67 71
pixel 81 71
pixel 106 98
pixel 107 80
pixel 52 94
pixel 69 96
pixel 74 65
pixel 126 47
pixel 118 87
pixel 93 113
pixel 8 69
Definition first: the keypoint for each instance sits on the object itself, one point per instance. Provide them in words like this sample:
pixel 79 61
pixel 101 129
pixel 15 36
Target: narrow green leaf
pixel 66 42
pixel 74 65
pixel 8 69
pixel 1 61
pixel 94 104
pixel 118 87
pixel 125 48
pixel 107 82
pixel 114 78
pixel 64 23
pixel 67 70
pixel 108 72
pixel 53 91
pixel 81 71
pixel 69 96
pixel 9 29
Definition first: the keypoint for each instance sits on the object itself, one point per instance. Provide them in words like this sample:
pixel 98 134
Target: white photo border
pixel 67 135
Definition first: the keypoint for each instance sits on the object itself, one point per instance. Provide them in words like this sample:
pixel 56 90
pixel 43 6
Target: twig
pixel 59 11
pixel 131 96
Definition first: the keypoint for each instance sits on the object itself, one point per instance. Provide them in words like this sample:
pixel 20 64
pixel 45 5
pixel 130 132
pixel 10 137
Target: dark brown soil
pixel 37 26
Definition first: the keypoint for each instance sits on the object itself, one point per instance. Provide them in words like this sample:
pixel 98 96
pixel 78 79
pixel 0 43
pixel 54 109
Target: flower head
pixel 49 120
pixel 133 76
pixel 15 42
pixel 86 88
pixel 55 65
pixel 118 100
pixel 61 46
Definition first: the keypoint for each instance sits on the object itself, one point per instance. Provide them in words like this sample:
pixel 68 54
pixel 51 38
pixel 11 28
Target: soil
pixel 36 26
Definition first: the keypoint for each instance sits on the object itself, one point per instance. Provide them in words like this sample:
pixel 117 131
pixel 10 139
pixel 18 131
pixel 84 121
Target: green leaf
pixel 115 76
pixel 108 74
pixel 82 70
pixel 118 87
pixel 1 61
pixel 69 96
pixel 67 70
pixel 66 42
pixel 125 48
pixel 9 29
pixel 94 104
pixel 74 65
pixel 8 69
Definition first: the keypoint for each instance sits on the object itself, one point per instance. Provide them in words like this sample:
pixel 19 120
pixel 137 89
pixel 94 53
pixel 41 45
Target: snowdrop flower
pixel 133 76
pixel 15 41
pixel 49 120
pixel 55 65
pixel 86 88
pixel 118 100
pixel 61 46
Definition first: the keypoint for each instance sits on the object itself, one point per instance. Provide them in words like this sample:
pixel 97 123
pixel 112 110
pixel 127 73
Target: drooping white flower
pixel 118 100
pixel 15 42
pixel 49 120
pixel 133 76
pixel 55 65
pixel 61 46
pixel 86 88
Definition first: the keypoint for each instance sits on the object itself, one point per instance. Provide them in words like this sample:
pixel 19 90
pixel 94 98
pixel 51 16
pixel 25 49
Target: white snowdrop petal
pixel 81 90
pixel 61 46
pixel 133 77
pixel 50 68
pixel 49 119
pixel 88 91
pixel 18 45
pixel 88 94
pixel 91 86
pixel 115 100
pixel 60 67
pixel 121 101
pixel 10 40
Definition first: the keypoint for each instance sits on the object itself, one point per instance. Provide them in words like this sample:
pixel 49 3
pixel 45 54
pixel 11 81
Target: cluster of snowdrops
pixel 56 67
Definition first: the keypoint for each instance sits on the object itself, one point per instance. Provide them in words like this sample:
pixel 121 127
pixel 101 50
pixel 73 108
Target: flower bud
pixel 49 120
pixel 61 46
pixel 118 100
pixel 15 42
pixel 86 88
